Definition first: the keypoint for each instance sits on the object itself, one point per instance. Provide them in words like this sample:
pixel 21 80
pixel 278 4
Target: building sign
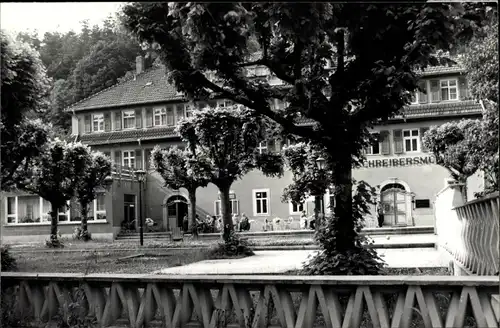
pixel 399 162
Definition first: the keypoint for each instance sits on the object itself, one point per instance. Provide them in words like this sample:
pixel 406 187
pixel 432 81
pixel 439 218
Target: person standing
pixel 185 223
pixel 380 215
pixel 303 220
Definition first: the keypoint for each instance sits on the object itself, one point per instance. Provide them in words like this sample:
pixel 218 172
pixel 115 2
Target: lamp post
pixel 141 176
pixel 321 163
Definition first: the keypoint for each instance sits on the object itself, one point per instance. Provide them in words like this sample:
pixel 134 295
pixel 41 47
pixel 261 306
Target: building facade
pixel 128 119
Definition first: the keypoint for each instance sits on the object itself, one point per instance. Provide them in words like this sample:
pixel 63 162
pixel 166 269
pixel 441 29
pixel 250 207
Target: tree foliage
pixel 453 144
pixel 173 164
pixel 376 51
pixel 24 88
pixel 307 179
pixel 54 174
pixel 97 167
pixel 225 142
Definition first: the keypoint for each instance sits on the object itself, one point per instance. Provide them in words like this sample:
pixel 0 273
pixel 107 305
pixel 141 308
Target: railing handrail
pixel 496 194
pixel 485 281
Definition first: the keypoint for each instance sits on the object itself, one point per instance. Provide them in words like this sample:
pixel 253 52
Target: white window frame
pixel 96 211
pixel 416 102
pixel 411 137
pixel 369 150
pixel 7 215
pixel 42 214
pixel 224 103
pixel 262 146
pixel 129 152
pixel 254 202
pixel 234 204
pixel 448 88
pixel 129 115
pixel 161 113
pixel 99 119
pixel 179 107
pixel 299 206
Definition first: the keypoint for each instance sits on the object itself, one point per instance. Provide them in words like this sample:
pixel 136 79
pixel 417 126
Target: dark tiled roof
pixel 152 87
pixel 128 135
pixel 149 87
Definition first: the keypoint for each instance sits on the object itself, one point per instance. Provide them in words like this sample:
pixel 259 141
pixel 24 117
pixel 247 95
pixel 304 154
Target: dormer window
pixel 160 116
pixel 224 103
pixel 449 89
pixel 128 119
pixel 98 123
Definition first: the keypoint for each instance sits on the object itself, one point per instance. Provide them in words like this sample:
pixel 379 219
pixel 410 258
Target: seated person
pixel 245 223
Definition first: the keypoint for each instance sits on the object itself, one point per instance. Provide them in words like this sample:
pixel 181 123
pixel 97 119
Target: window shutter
pixel 138 159
pixel 386 143
pixel 138 118
pixel 170 115
pixel 87 120
pixel 422 97
pixel 147 156
pixel 118 157
pixel 422 132
pixel 217 207
pixel 463 90
pixel 435 91
pixel 149 117
pixel 118 121
pixel 236 204
pixel 398 141
pixel 107 122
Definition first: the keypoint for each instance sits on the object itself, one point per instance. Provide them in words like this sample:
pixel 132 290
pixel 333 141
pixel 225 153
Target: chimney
pixel 139 65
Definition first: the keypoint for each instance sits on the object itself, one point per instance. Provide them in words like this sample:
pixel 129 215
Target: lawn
pixel 103 262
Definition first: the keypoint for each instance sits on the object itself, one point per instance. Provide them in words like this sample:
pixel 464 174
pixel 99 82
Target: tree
pixel 481 63
pixel 225 142
pixel 173 166
pixel 96 171
pixel 376 51
pixel 53 176
pixel 453 145
pixel 24 88
pixel 308 179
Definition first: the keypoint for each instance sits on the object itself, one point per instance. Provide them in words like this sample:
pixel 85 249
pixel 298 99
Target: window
pixel 262 147
pixel 224 103
pixel 234 207
pixel 98 122
pixel 32 209
pixel 128 158
pixel 374 149
pixel 180 112
pixel 97 210
pixel 129 119
pixel 261 202
pixel 414 98
pixel 160 116
pixel 11 209
pixel 449 89
pixel 170 116
pixel 411 140
pixel 296 208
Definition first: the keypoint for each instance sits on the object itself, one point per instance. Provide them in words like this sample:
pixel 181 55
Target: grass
pixel 90 262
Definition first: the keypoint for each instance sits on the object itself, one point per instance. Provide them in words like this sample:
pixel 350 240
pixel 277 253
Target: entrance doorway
pixel 177 208
pixel 394 204
pixel 129 212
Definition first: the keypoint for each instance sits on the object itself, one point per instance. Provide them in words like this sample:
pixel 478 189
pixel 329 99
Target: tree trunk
pixel 54 209
pixel 345 233
pixel 226 209
pixel 192 209
pixel 84 212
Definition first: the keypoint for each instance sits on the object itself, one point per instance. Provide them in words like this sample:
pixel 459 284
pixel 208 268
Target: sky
pixel 53 16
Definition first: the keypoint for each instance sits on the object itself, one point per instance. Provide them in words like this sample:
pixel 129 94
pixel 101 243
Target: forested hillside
pixel 83 63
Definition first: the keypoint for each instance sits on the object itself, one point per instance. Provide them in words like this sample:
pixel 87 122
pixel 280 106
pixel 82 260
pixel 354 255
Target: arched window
pixel 393 186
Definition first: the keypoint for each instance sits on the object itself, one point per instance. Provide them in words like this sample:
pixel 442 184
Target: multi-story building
pixel 128 119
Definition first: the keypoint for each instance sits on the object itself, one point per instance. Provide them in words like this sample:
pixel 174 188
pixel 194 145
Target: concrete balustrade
pixel 257 301
pixel 469 231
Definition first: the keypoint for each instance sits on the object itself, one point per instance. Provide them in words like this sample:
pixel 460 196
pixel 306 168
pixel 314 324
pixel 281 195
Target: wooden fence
pixel 256 301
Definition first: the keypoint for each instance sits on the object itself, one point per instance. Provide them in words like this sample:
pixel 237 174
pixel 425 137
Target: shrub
pixel 233 246
pixel 79 234
pixel 8 262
